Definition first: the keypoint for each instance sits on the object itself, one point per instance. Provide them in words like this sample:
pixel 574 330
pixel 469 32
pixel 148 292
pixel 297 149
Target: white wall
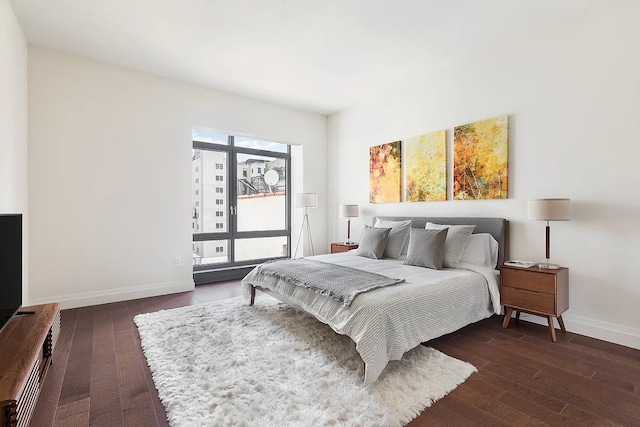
pixel 110 175
pixel 573 96
pixel 13 126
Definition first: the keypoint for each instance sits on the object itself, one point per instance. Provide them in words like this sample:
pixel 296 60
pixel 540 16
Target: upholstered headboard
pixel 497 227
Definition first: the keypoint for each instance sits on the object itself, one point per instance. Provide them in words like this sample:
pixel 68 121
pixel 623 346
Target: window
pixel 234 227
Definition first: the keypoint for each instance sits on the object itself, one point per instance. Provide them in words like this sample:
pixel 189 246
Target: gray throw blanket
pixel 337 281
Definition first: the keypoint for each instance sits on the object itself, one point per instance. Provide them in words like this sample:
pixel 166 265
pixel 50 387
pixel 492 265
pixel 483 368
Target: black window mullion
pixel 288 201
pixel 266 153
pixel 265 233
pixel 232 191
pixel 202 237
pixel 199 145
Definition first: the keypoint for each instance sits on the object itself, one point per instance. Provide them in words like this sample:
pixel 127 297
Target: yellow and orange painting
pixel 385 173
pixel 426 167
pixel 480 159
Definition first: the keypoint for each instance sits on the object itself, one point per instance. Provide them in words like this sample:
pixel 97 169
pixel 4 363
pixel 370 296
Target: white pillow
pixel 481 249
pixel 457 237
pixel 398 241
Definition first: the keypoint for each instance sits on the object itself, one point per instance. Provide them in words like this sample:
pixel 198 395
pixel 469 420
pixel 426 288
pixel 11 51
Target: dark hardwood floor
pixel 100 376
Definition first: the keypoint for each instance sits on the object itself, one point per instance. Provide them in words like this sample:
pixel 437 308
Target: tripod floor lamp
pixel 306 201
pixel 548 210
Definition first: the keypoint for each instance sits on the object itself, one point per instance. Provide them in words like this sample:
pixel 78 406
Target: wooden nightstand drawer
pixel 343 247
pixel 534 281
pixel 528 300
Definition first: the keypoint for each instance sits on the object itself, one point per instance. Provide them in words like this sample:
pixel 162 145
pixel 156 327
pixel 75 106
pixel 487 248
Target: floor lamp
pixel 548 210
pixel 306 201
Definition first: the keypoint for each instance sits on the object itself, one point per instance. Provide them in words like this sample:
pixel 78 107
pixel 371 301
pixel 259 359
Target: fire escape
pixel 256 185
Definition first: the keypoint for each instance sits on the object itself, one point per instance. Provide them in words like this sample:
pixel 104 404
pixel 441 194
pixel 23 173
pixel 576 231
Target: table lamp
pixel 348 211
pixel 548 210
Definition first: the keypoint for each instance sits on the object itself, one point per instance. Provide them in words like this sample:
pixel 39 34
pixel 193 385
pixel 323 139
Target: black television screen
pixel 10 266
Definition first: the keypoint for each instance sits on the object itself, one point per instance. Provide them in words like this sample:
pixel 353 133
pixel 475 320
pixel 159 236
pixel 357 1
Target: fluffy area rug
pixel 231 364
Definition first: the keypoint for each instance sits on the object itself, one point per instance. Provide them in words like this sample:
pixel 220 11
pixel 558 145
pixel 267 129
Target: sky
pixel 211 136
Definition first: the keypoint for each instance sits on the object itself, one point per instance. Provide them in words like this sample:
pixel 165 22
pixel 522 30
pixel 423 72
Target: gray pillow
pixel 373 241
pixel 426 248
pixel 456 240
pixel 398 237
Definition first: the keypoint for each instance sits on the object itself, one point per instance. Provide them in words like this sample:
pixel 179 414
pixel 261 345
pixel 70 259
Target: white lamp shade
pixel 548 210
pixel 348 211
pixel 306 200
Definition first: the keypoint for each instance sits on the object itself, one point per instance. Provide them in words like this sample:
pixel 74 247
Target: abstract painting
pixel 426 167
pixel 385 173
pixel 480 157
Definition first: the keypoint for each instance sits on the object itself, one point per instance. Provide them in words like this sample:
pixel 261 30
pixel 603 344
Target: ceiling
pixel 317 55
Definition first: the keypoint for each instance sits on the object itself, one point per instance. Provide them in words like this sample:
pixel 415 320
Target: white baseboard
pixel 84 299
pixel 611 332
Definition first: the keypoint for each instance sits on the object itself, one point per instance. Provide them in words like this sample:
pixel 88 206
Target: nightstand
pixel 342 247
pixel 536 291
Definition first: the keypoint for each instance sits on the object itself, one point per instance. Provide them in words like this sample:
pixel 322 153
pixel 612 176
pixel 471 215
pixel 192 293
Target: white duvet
pixel 387 322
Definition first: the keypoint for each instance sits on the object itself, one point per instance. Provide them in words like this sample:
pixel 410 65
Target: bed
pixel 386 322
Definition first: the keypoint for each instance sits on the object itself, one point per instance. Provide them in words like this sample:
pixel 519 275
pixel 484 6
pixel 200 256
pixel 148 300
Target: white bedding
pixel 387 322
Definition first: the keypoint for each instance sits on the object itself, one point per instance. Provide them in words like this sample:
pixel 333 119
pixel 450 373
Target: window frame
pixel 230 184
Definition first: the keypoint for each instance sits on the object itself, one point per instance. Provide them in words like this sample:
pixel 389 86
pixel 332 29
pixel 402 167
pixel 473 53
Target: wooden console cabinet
pixel 26 348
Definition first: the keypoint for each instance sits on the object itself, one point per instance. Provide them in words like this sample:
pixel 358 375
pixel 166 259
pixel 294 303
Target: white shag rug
pixel 231 364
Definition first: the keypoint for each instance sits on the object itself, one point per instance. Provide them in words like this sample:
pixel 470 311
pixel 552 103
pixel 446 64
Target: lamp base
pixel 548 266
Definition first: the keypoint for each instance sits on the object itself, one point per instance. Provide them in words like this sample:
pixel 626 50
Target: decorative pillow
pixel 481 249
pixel 426 248
pixel 398 237
pixel 456 239
pixel 373 241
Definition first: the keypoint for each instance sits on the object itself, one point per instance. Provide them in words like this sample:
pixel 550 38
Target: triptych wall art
pixel 480 165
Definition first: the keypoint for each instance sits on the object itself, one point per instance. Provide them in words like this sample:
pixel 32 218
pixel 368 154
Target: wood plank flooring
pixel 100 376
